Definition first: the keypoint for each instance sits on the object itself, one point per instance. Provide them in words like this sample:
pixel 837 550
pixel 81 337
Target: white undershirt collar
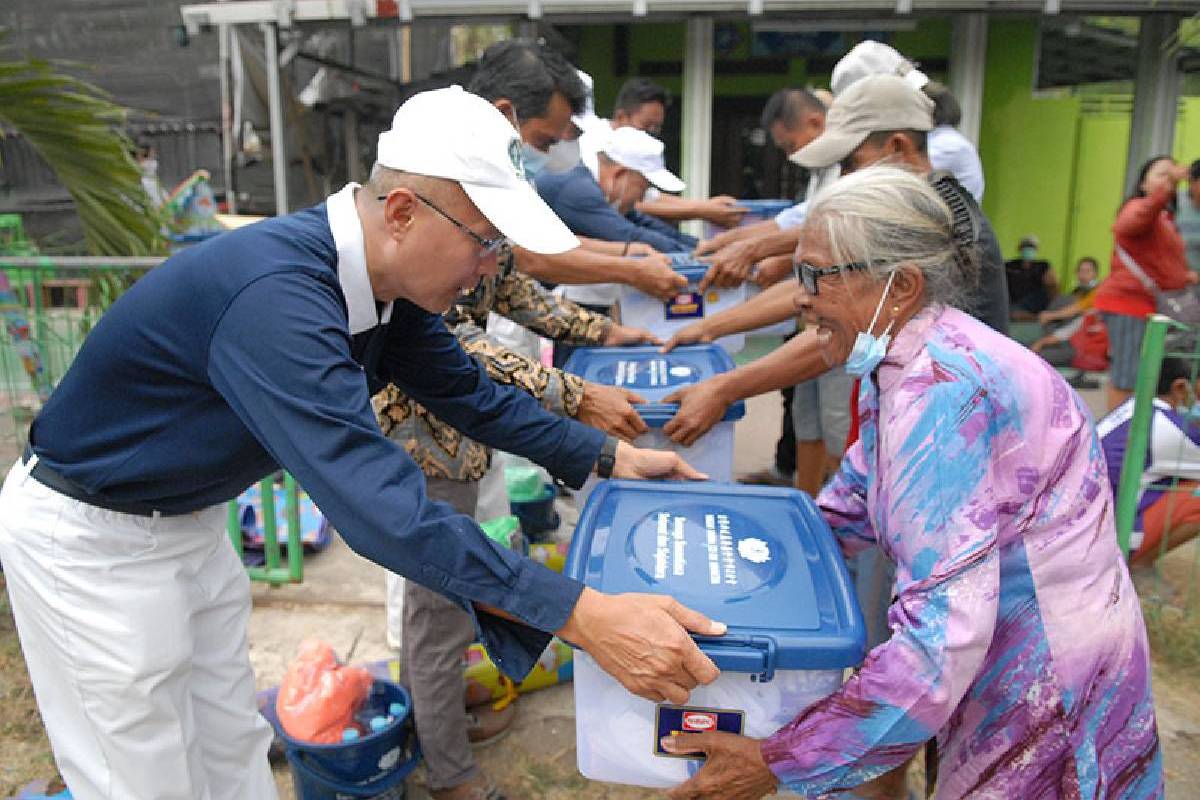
pixel 347 232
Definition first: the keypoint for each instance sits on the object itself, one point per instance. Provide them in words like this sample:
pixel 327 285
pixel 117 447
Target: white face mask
pixel 869 349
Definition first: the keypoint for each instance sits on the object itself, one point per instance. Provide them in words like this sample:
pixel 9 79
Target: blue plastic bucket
pixel 372 767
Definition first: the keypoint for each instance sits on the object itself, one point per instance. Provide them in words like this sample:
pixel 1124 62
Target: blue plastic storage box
pixel 655 375
pixel 663 318
pixel 761 560
pixel 784 328
pixel 760 211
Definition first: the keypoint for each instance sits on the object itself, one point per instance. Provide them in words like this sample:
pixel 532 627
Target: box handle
pixel 757 655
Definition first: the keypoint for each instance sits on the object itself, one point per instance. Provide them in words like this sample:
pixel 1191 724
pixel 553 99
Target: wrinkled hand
pixel 657 278
pixel 691 334
pixel 771 271
pixel 610 409
pixel 723 210
pixel 623 335
pixel 731 266
pixel 700 407
pixel 734 769
pixel 642 464
pixel 642 641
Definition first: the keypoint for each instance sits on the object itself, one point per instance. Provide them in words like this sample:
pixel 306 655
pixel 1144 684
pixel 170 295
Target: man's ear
pixel 900 145
pixel 398 211
pixel 506 107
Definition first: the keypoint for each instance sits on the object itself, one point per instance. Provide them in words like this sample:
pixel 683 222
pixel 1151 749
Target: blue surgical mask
pixel 870 349
pixel 1029 253
pixel 535 160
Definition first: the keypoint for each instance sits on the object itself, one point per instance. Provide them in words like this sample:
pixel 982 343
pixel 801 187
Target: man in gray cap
pixel 876 119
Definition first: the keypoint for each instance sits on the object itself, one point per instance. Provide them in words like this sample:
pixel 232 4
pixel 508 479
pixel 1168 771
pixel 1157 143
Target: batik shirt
pixel 440 449
pixel 1017 639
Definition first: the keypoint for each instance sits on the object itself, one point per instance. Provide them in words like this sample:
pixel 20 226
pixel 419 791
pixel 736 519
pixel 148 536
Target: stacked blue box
pixel 654 376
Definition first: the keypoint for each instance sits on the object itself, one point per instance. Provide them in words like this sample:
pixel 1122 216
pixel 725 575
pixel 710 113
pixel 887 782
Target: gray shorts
pixel 821 410
pixel 1124 348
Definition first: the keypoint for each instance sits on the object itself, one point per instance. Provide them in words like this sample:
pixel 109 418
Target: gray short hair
pixel 888 217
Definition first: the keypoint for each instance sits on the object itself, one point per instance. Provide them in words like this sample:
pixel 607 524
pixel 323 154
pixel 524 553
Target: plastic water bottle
pixel 378 724
pixel 350 734
pixel 397 709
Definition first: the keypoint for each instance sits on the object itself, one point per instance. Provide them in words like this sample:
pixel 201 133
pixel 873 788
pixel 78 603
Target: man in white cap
pixel 600 202
pixel 257 350
pixel 878 118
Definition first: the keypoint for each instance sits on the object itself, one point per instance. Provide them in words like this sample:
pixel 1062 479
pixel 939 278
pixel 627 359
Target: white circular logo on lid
pixel 754 550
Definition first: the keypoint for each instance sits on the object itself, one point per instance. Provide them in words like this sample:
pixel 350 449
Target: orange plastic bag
pixel 318 697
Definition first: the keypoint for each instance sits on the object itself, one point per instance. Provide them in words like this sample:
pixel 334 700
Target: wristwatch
pixel 608 457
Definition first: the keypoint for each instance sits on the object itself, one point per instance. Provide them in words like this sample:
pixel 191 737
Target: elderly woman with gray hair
pixel 1017 640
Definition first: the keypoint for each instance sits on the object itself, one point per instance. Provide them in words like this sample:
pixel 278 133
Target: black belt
pixel 48 477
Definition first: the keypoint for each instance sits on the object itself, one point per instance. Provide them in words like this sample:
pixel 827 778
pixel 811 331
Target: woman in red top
pixel 1145 230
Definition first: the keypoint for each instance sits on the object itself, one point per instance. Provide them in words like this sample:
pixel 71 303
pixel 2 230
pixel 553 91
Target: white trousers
pixel 134 631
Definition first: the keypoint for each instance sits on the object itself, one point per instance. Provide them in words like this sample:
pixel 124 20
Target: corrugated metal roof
pixel 288 12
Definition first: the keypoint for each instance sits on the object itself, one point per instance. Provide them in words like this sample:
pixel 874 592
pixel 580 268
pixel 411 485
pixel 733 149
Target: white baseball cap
pixel 876 103
pixel 453 134
pixel 869 57
pixel 641 152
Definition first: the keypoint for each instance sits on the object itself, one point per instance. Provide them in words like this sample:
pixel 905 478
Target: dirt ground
pixel 341 600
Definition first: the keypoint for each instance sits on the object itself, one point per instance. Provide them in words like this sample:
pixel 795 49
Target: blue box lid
pixel 654 375
pixel 684 259
pixel 760 559
pixel 766 208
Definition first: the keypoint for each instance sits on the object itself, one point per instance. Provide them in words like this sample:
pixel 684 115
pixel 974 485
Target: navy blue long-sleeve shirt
pixel 578 201
pixel 236 357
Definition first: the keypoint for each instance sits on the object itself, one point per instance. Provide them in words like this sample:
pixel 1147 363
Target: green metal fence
pixel 48 305
pixel 1171 597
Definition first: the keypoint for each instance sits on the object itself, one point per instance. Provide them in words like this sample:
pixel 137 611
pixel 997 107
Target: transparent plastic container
pixel 761 560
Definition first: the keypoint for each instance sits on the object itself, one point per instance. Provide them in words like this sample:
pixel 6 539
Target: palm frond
pixel 78 129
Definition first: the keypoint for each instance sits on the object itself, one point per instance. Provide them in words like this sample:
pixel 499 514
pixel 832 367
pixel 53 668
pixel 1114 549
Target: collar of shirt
pixel 347 232
pixel 906 344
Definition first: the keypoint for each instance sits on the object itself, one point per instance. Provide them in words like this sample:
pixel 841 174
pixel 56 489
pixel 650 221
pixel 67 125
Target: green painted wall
pixel 1027 145
pixel 1055 166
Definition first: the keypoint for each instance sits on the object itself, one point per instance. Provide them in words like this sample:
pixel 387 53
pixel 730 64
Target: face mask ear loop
pixel 879 308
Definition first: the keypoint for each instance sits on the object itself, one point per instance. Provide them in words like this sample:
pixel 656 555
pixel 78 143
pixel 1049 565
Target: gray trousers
pixel 435 634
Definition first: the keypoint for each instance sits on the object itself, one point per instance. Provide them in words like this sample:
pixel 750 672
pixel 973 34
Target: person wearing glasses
pixel 258 350
pixel 537 90
pixel 1017 638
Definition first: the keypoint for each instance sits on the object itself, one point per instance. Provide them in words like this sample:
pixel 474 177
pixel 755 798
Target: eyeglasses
pixel 487 246
pixel 808 275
